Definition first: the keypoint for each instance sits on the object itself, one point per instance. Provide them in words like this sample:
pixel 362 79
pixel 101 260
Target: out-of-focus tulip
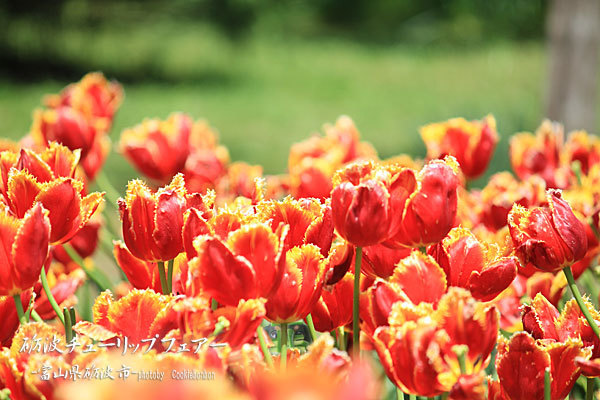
pixel 153 221
pixel 583 147
pixel 63 287
pixel 84 242
pixel 93 96
pixel 539 154
pixel 550 237
pixel 502 191
pixel 431 209
pixel 474 265
pixel 313 162
pixel 66 126
pixel 158 149
pixel 322 373
pixel 25 244
pixel 472 143
pixel 522 361
pixel 300 286
pixel 368 201
pixel 249 264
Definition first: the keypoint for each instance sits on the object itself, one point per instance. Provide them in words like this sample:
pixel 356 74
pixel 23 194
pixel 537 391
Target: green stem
pixel 19 307
pixel 263 347
pixel 412 397
pixel 547 386
pixel 589 393
pixel 36 317
pixel 104 185
pixel 284 339
pixel 311 327
pixel 68 326
pixel 163 278
pixel 580 301
pixel 399 394
pixel 51 299
pixel 95 275
pixel 356 304
pixel 341 338
pixel 170 275
pixel 214 304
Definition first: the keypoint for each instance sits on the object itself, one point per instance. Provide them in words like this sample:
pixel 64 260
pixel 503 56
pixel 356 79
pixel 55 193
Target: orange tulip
pixel 474 265
pixel 310 221
pixel 47 178
pixel 25 244
pixel 550 237
pixel 249 264
pixel 522 360
pixel 140 315
pixel 472 143
pixel 417 349
pixel 380 261
pixel 153 222
pixel 300 286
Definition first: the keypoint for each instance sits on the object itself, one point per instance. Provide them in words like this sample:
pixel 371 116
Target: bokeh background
pixel 267 73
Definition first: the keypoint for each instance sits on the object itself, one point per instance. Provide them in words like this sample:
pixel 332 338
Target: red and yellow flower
pixel 25 249
pixel 550 237
pixel 472 143
pixel 368 200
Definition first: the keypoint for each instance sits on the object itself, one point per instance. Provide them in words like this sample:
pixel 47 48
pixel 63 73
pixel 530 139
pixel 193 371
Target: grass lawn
pixel 267 94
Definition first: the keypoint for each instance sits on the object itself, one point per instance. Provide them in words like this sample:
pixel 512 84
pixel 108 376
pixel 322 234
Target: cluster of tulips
pixel 340 279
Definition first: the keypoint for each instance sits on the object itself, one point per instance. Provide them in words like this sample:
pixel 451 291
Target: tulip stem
pixel 19 307
pixel 170 275
pixel 51 299
pixel 399 394
pixel 163 278
pixel 284 339
pixel 356 304
pixel 94 275
pixel 68 325
pixel 589 392
pixel 341 336
pixel 263 346
pixel 547 386
pixel 580 301
pixel 311 327
pixel 36 317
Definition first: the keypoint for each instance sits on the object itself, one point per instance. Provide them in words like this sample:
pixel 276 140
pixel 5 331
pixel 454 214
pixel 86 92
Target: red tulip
pixel 472 143
pixel 550 237
pixel 25 249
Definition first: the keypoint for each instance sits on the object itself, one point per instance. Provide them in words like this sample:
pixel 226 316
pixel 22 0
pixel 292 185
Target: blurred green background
pixel 269 73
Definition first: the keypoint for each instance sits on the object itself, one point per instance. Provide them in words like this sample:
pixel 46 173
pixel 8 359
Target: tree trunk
pixel 574 47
